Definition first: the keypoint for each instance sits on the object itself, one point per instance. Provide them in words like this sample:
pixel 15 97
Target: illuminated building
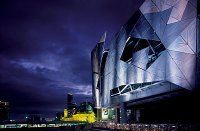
pixel 65 112
pixel 84 113
pixel 4 110
pixel 84 117
pixel 151 72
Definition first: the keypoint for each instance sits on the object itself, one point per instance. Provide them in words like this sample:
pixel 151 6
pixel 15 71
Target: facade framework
pixel 155 57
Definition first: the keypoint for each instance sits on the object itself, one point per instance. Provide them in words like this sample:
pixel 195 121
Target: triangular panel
pixel 189 35
pixel 173 30
pixel 140 58
pixel 164 4
pixel 177 11
pixel 156 48
pixel 159 64
pixel 148 7
pixel 172 69
pixel 180 45
pixel 179 81
pixel 190 12
pixel 158 67
pixel 165 14
pixel 143 30
pixel 157 23
pixel 186 63
pixel 130 77
pixel 148 77
pixel 135 34
pixel 133 45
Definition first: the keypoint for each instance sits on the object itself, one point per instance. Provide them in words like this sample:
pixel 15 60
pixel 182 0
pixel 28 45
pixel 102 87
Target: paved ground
pixel 98 129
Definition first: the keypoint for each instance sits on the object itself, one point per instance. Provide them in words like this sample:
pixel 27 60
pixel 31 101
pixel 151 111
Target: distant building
pixel 71 105
pixel 70 98
pixel 59 116
pixel 85 107
pixel 4 110
pixel 84 113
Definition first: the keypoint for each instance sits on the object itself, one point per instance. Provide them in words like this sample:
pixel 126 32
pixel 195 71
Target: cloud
pixel 45 48
pixel 33 66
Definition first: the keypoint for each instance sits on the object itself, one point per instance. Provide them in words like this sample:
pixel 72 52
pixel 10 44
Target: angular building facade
pixel 98 56
pixel 153 59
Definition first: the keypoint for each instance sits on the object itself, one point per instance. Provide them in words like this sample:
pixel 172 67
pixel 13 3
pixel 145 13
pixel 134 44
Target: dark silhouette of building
pixel 71 105
pixel 59 115
pixel 70 98
pixel 85 107
pixel 4 110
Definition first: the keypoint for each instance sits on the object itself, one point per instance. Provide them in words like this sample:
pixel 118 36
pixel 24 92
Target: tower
pixel 71 105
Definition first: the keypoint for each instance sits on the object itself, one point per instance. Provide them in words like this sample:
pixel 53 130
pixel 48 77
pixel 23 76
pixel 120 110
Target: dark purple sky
pixel 45 48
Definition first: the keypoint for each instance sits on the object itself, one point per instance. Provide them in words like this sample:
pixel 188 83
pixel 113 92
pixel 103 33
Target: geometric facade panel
pixel 177 11
pixel 96 59
pixel 148 7
pixel 180 45
pixel 143 30
pixel 189 35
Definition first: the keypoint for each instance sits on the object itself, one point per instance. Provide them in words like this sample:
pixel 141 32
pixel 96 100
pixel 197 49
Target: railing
pixel 130 87
pixel 142 127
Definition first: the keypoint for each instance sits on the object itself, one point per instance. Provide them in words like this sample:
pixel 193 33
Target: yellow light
pixel 81 117
pixel 65 113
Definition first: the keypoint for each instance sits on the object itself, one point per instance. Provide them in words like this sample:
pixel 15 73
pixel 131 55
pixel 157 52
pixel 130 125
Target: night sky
pixel 45 49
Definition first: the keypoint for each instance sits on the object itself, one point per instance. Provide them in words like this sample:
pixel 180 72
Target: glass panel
pixel 141 44
pixel 103 62
pixel 128 50
pixel 114 91
pixel 121 87
pixel 156 48
pixel 144 30
pixel 133 45
pixel 146 84
pixel 135 86
pixel 128 89
pixel 132 21
pixel 154 82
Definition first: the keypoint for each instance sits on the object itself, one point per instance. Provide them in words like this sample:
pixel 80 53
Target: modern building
pixel 4 110
pixel 151 72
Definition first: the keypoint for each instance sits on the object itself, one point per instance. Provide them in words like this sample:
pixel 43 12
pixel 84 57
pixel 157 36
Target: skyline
pixel 45 49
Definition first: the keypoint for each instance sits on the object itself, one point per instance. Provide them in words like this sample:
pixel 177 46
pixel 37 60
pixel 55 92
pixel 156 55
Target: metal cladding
pixel 160 42
pixel 96 58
